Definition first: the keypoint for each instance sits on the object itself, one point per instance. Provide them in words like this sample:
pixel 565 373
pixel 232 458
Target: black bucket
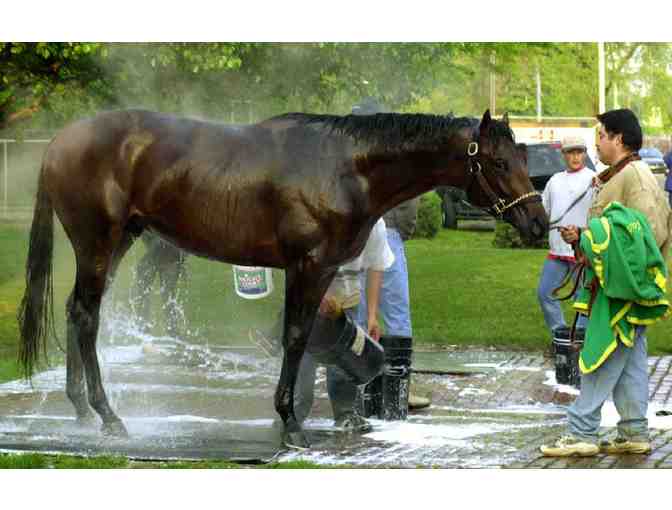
pixel 567 355
pixel 386 397
pixel 343 344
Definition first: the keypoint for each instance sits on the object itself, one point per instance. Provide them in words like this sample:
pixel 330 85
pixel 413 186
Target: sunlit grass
pixel 44 461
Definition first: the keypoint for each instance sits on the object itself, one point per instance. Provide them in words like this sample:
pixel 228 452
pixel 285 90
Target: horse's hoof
pixel 115 428
pixel 296 440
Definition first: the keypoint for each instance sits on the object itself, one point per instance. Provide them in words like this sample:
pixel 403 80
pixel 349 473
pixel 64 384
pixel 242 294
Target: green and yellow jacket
pixel 632 275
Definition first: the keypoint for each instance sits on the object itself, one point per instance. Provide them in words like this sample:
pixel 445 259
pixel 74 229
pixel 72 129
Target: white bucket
pixel 252 282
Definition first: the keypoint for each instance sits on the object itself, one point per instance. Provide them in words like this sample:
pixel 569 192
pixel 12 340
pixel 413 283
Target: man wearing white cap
pixel 566 198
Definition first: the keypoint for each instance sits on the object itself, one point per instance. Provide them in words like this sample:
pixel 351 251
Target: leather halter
pixel 499 205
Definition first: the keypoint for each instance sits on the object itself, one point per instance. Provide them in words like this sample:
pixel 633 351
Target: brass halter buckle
pixel 499 207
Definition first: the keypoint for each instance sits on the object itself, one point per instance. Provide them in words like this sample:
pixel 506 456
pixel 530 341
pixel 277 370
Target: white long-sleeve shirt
pixel 376 255
pixel 560 191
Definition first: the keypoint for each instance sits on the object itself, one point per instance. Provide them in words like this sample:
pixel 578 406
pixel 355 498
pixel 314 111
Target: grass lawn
pixel 43 461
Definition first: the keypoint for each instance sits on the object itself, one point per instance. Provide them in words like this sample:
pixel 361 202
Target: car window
pixel 650 152
pixel 544 160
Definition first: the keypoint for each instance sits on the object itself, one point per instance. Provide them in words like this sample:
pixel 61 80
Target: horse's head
pixel 499 178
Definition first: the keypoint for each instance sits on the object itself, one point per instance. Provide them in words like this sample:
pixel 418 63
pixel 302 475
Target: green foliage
pixel 429 216
pixel 59 79
pixel 506 236
pixel 24 461
pixel 52 83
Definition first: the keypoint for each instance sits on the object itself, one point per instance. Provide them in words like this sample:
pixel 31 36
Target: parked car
pixel 654 158
pixel 543 161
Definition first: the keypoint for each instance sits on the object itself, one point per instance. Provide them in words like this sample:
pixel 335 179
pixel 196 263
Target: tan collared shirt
pixel 636 187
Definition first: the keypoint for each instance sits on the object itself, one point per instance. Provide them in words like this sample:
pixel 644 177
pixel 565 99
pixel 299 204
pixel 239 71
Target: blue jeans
pixel 342 392
pixel 624 374
pixel 552 274
pixel 395 308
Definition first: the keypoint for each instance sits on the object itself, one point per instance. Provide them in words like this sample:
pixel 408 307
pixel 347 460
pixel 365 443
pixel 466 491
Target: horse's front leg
pixel 303 293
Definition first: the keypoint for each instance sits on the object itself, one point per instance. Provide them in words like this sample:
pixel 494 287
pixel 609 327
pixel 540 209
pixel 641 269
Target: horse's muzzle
pixel 531 221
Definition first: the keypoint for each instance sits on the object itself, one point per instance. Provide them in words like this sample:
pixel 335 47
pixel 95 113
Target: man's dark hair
pixel 623 122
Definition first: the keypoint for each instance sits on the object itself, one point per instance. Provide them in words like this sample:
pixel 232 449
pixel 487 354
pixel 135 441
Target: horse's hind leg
pixel 75 388
pixel 93 267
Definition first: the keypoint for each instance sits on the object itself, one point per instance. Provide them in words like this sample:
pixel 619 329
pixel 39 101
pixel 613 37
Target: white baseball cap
pixel 573 142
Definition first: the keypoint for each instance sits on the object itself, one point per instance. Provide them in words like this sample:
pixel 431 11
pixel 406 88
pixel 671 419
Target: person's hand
pixel 570 234
pixel 330 307
pixel 374 328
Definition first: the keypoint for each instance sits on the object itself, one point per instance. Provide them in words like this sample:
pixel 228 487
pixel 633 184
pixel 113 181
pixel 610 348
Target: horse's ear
pixel 485 123
pixel 505 119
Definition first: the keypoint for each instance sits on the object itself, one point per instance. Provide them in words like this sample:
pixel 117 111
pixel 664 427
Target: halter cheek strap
pixel 499 205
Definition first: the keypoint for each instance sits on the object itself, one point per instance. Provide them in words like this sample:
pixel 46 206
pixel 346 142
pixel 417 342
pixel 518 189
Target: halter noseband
pixel 475 169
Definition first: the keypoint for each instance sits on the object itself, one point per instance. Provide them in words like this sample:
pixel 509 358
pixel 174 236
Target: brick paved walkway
pixel 660 392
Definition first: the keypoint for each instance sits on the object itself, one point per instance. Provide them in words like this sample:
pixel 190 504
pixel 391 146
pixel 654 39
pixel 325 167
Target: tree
pixel 62 78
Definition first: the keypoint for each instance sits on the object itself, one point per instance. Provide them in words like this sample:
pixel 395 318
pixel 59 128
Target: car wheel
pixel 449 212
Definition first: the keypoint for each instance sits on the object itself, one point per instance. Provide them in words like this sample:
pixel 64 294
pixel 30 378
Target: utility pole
pixel 602 76
pixel 493 95
pixel 538 94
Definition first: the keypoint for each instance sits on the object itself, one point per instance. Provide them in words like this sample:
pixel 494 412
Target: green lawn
pixel 43 461
pixel 463 292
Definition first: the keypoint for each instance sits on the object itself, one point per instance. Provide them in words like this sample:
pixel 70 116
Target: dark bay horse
pixel 299 191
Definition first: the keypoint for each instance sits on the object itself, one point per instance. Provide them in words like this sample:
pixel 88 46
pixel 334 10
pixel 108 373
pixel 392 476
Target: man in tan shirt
pixel 624 374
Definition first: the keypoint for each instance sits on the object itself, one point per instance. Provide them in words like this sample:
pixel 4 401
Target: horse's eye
pixel 501 165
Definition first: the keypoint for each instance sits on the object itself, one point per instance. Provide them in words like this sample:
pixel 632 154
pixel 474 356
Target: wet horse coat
pixel 299 191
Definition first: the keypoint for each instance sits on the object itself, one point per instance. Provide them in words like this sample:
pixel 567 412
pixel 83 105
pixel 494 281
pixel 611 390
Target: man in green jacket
pixel 624 371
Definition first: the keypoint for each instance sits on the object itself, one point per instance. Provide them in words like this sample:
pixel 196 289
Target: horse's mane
pixel 392 130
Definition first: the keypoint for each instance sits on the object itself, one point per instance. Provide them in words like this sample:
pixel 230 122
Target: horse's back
pixel 235 193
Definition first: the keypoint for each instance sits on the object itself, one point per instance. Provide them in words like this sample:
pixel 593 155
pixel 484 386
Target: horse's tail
pixel 36 313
